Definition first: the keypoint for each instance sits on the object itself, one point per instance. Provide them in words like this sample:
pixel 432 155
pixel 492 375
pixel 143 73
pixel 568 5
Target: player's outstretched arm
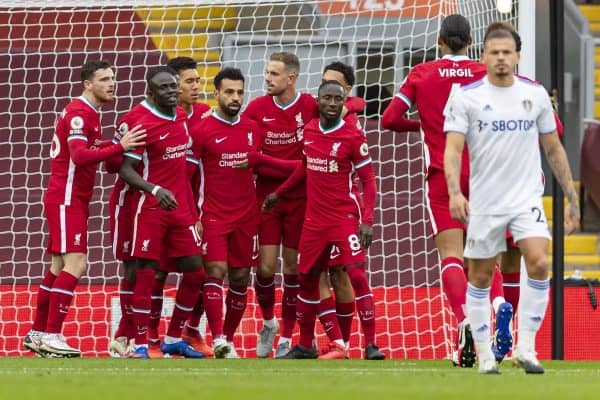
pixel 557 159
pixel 128 173
pixel 459 206
pixel 265 165
pixel 82 155
pixel 296 178
pixel 393 118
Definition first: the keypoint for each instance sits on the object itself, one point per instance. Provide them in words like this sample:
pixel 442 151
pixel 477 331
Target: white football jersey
pixel 502 126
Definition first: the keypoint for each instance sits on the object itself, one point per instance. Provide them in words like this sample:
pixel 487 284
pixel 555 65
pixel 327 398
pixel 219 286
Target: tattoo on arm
pixel 453 173
pixel 557 159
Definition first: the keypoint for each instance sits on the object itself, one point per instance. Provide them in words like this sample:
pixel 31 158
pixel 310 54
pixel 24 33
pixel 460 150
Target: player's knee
pixel 537 267
pixel 239 277
pixel 75 264
pixel 480 277
pixel 266 267
pixel 290 268
pixel 129 270
pixel 160 275
pixel 290 261
pixel 216 270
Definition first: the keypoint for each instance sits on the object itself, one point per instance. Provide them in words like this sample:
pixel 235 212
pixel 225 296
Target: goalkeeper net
pixel 43 46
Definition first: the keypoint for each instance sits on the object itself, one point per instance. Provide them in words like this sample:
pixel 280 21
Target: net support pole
pixel 526 29
pixel 558 270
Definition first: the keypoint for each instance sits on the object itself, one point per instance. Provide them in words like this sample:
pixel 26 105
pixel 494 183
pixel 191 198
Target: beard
pixel 232 112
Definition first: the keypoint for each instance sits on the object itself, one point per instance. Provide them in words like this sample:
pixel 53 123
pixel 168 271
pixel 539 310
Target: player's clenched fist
pixel 365 234
pixel 270 202
pixel 165 199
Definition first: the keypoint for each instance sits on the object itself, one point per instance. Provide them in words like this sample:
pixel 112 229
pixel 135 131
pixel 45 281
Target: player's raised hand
pixel 459 207
pixel 133 138
pixel 243 164
pixel 572 218
pixel 365 235
pixel 270 202
pixel 165 199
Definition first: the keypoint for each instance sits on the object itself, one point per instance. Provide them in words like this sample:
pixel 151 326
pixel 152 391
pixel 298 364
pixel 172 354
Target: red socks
pixel 512 288
pixel 345 315
pixel 141 303
pixel 364 302
pixel 60 301
pixel 185 300
pixel 307 308
pixel 213 305
pixel 237 297
pixel 454 284
pixel 156 304
pixel 265 295
pixel 496 289
pixel 126 297
pixel 288 304
pixel 43 302
pixel 194 319
pixel 326 309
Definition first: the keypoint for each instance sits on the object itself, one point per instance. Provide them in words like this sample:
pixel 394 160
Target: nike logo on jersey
pixel 357 252
pixel 308 142
pixel 219 140
pixel 265 119
pixel 161 137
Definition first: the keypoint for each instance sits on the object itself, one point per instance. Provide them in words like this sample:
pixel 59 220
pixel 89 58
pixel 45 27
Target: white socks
pixel 479 314
pixel 533 302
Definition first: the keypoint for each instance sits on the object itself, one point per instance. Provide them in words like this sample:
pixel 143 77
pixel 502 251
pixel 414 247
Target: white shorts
pixel 486 233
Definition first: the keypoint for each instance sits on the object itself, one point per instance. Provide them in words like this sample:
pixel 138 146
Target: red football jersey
pixel 163 156
pixel 332 157
pixel 428 85
pixel 72 175
pixel 281 132
pixel 225 194
pixel 198 111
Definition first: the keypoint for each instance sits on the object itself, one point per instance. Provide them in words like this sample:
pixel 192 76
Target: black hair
pixel 157 70
pixel 90 67
pixel 234 74
pixel 330 82
pixel 344 69
pixel 456 32
pixel 182 63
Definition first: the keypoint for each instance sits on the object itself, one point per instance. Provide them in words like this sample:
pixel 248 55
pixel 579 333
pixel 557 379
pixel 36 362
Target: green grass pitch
pixel 107 379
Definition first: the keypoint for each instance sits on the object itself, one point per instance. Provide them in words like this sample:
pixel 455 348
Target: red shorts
pixel 438 201
pixel 156 234
pixel 68 228
pixel 316 243
pixel 283 224
pixel 510 240
pixel 237 245
pixel 121 223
